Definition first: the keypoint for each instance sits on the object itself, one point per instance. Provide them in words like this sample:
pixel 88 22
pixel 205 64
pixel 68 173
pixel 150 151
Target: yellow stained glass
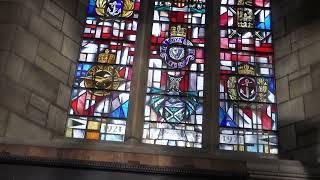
pixel 93 125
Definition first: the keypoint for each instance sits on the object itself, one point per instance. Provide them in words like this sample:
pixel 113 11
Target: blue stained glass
pixel 265 25
pixel 268 22
pixel 226 120
pixel 253 148
pixel 272 87
pixel 121 112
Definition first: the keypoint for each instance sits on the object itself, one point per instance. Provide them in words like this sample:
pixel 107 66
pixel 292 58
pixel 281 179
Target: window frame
pixel 134 129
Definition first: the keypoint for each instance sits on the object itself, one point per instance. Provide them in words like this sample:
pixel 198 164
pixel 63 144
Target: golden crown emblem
pixel 246 70
pixel 178 31
pixel 107 57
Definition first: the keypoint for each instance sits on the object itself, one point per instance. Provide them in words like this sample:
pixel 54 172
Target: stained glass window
pixel 248 113
pixel 100 95
pixel 174 102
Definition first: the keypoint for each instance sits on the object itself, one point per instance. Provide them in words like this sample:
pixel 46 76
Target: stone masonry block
pixel 3 120
pixel 14 12
pixel 46 32
pixel 301 72
pixel 306 154
pixel 308 138
pixel 308 31
pixel 70 6
pixel 40 82
pixel 308 125
pixel 51 19
pixel 54 9
pixel 14 97
pixel 300 86
pixel 287 65
pixel 25 44
pixel 6 11
pixel 39 103
pixel 278 29
pixel 64 96
pixel 57 119
pixel 305 36
pixel 22 129
pixel 287 137
pixel 282 47
pixel 315 74
pixel 291 111
pixel 54 57
pixel 37 116
pixel 72 28
pixel 307 54
pixel 70 49
pixel 14 67
pixel 52 70
pixel 22 13
pixel 3 61
pixel 282 89
pixel 7 36
pixel 312 104
pixel 32 5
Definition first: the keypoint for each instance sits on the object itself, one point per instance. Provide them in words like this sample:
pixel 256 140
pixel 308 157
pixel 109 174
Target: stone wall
pixel 297 49
pixel 39 49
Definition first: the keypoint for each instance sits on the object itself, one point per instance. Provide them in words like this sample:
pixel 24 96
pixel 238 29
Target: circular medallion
pixel 177 52
pixel 101 77
pixel 114 7
pixel 247 88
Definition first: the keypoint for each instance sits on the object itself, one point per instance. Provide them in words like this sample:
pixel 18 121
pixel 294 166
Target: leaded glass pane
pixel 248 114
pixel 174 102
pixel 99 103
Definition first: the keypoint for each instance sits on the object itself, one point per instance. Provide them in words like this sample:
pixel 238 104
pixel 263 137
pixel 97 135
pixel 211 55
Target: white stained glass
pixel 156 29
pixel 116 129
pixel 173 135
pixel 265 71
pixel 231 139
pixel 78 133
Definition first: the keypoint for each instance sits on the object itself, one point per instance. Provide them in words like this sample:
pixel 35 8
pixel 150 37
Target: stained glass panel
pixel 99 103
pixel 248 114
pixel 174 103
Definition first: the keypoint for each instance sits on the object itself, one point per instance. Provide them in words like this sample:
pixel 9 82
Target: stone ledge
pixel 112 166
pixel 126 147
pixel 156 164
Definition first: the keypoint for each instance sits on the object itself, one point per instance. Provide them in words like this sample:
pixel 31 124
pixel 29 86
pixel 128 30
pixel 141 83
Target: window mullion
pixel 211 129
pixel 140 74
